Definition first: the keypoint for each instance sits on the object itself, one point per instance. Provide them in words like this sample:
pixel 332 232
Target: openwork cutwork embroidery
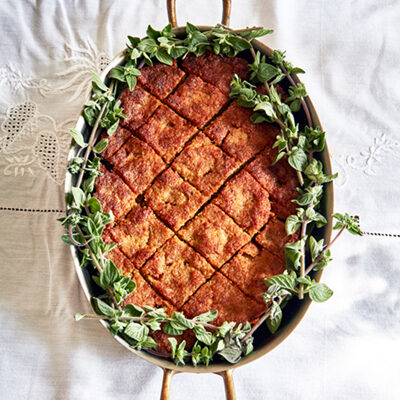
pixel 31 138
pixel 368 160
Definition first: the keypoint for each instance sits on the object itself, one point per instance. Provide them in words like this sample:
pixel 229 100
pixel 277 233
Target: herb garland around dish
pixel 85 220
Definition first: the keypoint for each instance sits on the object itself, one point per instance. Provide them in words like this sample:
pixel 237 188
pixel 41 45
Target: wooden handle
pixel 171 9
pixel 226 375
pixel 166 384
pixel 228 382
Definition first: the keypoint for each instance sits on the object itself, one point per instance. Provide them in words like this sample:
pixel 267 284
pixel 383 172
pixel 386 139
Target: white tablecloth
pixel 347 348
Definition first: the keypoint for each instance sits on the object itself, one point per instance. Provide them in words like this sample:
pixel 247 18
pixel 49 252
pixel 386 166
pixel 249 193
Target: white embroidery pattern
pixel 31 141
pixel 19 165
pixel 38 137
pixel 368 160
pixel 81 62
pixel 14 78
pixel 337 166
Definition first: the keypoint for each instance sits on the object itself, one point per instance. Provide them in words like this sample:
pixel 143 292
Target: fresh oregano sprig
pixel 282 287
pixel 136 324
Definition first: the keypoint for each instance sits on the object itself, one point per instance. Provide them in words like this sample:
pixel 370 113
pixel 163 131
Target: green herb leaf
pixel 170 330
pixel 98 82
pixel 179 321
pixel 148 343
pixel 203 336
pixel 102 308
pixel 319 292
pixel 133 311
pixel 77 136
pixel 78 196
pixel 100 146
pixel 94 205
pixel 284 281
pixel 174 345
pixel 131 81
pixel 207 317
pixel 275 319
pixel 293 224
pixel 297 159
pixel 239 44
pixel 136 331
pixel 118 73
pixel 109 275
pixel 79 316
pixel 231 354
pixel 152 33
pixel 315 247
pixel 266 72
pixel 163 56
pixel 225 328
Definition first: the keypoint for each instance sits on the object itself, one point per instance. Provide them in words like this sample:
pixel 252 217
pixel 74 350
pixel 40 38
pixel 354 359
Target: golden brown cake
pixel 197 100
pixel 177 271
pixel 137 163
pixel 246 201
pixel 219 293
pixel 250 267
pixel 204 165
pixel 214 235
pixel 199 205
pixel 166 132
pixel 174 200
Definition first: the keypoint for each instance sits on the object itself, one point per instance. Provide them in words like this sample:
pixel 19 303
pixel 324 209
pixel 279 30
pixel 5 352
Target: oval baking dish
pixel 294 311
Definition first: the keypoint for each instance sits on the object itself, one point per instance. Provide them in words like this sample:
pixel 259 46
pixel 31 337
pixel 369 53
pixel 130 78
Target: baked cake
pixel 199 206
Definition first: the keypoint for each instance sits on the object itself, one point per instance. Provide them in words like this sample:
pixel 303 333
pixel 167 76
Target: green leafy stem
pixel 136 323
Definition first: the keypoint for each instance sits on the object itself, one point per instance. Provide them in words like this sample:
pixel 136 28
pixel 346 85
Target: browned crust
pixel 173 199
pixel 250 267
pixel 115 142
pixel 138 106
pixel 239 136
pixel 116 256
pixel 214 235
pixel 279 179
pixel 246 201
pixel 166 132
pixel 113 194
pixel 137 163
pixel 216 70
pixel 140 235
pixel 232 118
pixel 204 165
pixel 197 100
pixel 143 294
pixel 243 143
pixel 160 79
pixel 274 237
pixel 176 271
pixel 220 294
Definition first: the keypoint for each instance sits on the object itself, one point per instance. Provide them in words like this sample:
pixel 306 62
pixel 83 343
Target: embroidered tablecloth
pixel 347 348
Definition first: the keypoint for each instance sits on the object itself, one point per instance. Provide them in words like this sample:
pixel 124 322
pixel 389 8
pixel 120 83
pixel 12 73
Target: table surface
pixel 347 348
